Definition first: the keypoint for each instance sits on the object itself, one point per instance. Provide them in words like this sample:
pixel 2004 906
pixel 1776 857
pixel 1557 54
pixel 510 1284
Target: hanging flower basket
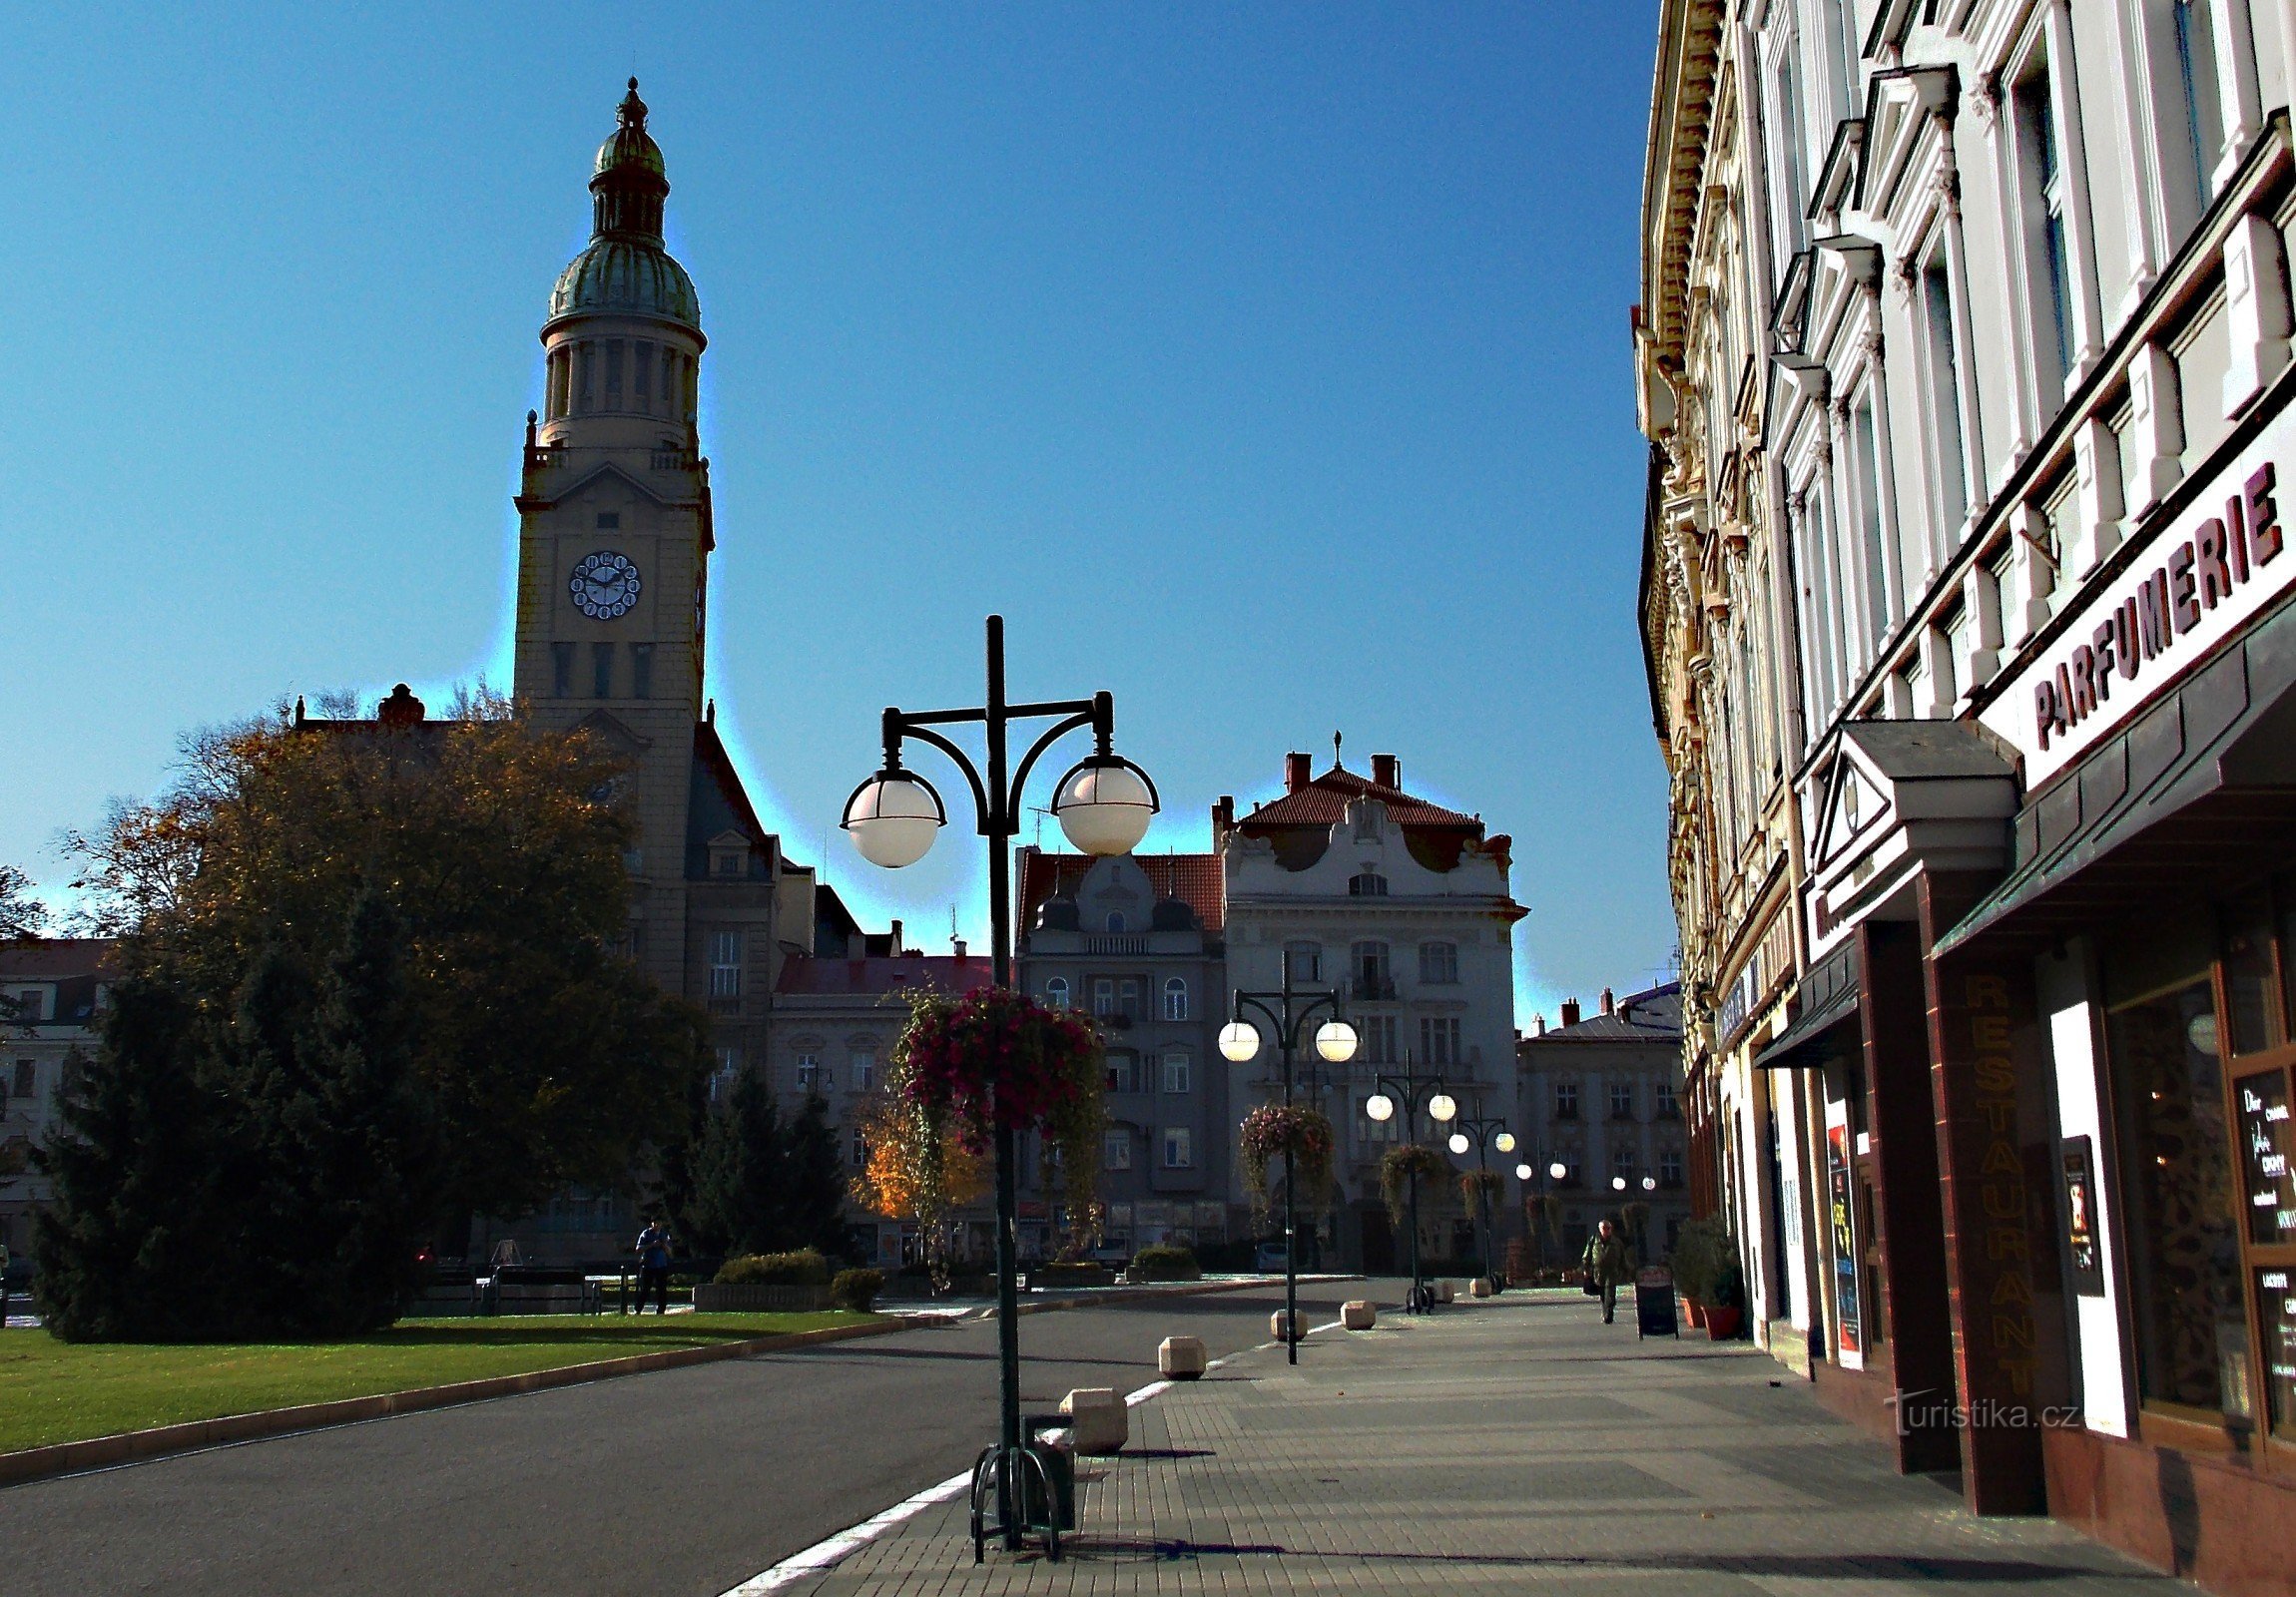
pixel 998 1060
pixel 1396 1171
pixel 1302 1136
pixel 1476 1186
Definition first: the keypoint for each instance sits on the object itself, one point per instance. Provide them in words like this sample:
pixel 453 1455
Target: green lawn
pixel 53 1391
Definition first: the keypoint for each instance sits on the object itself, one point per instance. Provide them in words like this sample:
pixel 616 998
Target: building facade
pixel 1600 1096
pixel 1403 908
pixel 51 993
pixel 1997 516
pixel 1137 943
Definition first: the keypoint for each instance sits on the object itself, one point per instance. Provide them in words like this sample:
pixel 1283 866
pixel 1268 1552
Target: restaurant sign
pixel 2208 572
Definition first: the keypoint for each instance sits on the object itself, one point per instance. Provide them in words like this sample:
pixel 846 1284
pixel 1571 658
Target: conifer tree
pixel 816 1182
pixel 740 1176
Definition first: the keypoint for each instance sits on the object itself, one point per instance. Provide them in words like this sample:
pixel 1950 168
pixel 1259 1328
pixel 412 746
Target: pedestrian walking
pixel 1606 1266
pixel 654 1264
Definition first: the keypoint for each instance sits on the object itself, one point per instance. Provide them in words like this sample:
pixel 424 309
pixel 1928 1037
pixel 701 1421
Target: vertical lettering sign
pixel 2267 1141
pixel 2001 1218
pixel 2078 1174
pixel 2276 1308
pixel 1849 1331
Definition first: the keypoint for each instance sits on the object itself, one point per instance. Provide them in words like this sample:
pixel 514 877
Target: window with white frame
pixel 863 1076
pixel 1439 1040
pixel 1622 1163
pixel 1056 993
pixel 724 965
pixel 1375 1038
pixel 1128 997
pixel 1123 1070
pixel 1792 196
pixel 1867 455
pixel 2202 125
pixel 1368 968
pixel 856 1149
pixel 1175 999
pixel 1566 1100
pixel 1670 1167
pixel 1949 485
pixel 1104 996
pixel 1622 1100
pixel 1439 964
pixel 1176 1066
pixel 1179 1147
pixel 1116 1149
pixel 1366 883
pixel 2041 180
pixel 808 1072
pixel 1305 960
pixel 729 1068
pixel 1662 1100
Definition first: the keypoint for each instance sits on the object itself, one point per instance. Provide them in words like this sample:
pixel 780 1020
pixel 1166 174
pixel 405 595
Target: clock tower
pixel 614 543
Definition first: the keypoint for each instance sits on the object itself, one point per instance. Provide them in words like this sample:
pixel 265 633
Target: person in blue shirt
pixel 654 1264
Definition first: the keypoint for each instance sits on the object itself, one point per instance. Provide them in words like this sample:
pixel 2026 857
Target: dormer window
pixel 1115 921
pixel 729 854
pixel 1366 883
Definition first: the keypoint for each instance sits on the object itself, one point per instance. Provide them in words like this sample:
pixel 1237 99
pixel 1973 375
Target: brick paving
pixel 1499 1447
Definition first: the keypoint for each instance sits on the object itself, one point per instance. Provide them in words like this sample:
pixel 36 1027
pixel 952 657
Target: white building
pixel 1403 908
pixel 52 993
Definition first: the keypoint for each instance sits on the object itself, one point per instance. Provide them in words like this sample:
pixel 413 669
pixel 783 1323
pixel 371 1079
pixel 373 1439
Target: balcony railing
pixel 1110 942
pixel 1367 989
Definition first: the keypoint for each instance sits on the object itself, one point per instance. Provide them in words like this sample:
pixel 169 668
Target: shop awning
pixel 2197 793
pixel 1827 997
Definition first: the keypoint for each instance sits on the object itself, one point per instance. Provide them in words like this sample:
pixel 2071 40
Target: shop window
pixel 2189 1321
pixel 2251 984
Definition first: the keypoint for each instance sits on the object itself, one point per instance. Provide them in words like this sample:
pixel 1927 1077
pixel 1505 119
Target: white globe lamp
pixel 1523 1172
pixel 1503 1141
pixel 1380 1107
pixel 1336 1042
pixel 1239 1042
pixel 1104 805
pixel 893 818
pixel 1442 1108
pixel 1459 1143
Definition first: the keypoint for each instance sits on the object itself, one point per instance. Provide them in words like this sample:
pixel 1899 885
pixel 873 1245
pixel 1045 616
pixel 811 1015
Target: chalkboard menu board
pixel 2276 1309
pixel 2267 1147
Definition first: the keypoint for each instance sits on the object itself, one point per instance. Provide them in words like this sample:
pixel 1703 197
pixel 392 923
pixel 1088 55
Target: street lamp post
pixel 1409 1091
pixel 1104 804
pixel 1334 1044
pixel 1483 1133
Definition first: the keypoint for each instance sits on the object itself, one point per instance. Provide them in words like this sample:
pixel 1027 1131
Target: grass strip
pixel 55 1391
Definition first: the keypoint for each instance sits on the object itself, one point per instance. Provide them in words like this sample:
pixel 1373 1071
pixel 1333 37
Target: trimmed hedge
pixel 1165 1260
pixel 855 1289
pixel 804 1267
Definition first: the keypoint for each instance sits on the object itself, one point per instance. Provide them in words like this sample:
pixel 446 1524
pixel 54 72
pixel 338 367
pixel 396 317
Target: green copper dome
pixel 625 271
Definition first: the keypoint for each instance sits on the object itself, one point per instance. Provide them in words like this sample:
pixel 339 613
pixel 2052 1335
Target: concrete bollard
pixel 1098 1419
pixel 1358 1314
pixel 1480 1288
pixel 1181 1359
pixel 1279 1327
pixel 1445 1292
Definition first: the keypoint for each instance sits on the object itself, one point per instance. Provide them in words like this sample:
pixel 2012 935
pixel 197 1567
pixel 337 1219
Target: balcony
pixel 1369 989
pixel 1110 942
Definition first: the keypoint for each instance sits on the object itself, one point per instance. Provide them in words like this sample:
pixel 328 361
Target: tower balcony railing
pixel 544 458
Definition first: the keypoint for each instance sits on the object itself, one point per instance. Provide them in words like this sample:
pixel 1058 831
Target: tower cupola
pixel 624 336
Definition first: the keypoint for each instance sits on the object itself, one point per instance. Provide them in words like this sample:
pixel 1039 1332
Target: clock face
pixel 605 585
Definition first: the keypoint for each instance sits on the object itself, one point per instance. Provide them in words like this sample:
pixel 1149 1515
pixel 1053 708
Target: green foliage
pixel 266 1171
pixel 545 1059
pixel 1166 1260
pixel 855 1289
pixel 804 1266
pixel 1701 1250
pixel 21 914
pixel 761 1183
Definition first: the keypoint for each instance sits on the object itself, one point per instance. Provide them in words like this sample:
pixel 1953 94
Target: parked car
pixel 1270 1257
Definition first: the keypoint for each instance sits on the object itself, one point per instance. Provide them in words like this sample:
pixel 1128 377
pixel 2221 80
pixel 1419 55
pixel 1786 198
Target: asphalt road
pixel 682 1483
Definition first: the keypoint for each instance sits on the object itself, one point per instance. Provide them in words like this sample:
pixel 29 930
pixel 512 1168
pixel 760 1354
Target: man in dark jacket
pixel 1606 1266
pixel 654 1266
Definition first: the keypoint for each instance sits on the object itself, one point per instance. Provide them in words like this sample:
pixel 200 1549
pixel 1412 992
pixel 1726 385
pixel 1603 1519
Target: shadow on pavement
pixel 1811 1566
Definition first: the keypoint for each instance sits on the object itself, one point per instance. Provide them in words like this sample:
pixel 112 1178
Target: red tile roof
pixel 1196 880
pixel 1324 802
pixel 860 979
pixel 54 959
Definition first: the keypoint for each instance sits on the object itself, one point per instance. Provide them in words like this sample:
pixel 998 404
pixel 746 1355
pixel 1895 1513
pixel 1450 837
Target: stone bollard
pixel 1098 1419
pixel 1181 1359
pixel 1279 1327
pixel 1480 1287
pixel 1445 1292
pixel 1358 1315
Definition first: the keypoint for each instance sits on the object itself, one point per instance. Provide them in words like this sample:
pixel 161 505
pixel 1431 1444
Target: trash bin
pixel 1051 1441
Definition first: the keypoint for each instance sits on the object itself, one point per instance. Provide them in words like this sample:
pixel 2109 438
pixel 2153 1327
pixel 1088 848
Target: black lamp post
pixel 1407 1092
pixel 1288 1011
pixel 1483 1132
pixel 1103 803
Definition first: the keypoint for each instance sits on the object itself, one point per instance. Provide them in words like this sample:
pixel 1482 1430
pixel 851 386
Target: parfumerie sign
pixel 2191 588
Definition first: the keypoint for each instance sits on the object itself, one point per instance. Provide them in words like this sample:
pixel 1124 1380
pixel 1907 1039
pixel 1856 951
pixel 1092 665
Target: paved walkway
pixel 1499 1447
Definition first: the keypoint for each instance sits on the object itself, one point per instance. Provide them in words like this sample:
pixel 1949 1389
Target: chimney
pixel 1539 1021
pixel 401 709
pixel 1386 771
pixel 1569 1012
pixel 1294 773
pixel 1223 819
pixel 1608 1006
pixel 894 940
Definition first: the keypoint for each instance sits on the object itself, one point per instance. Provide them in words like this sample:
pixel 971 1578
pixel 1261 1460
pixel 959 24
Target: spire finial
pixel 1336 751
pixel 633 109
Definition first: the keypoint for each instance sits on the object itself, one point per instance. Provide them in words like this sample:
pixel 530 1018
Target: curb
pixel 129 1446
pixel 1127 1295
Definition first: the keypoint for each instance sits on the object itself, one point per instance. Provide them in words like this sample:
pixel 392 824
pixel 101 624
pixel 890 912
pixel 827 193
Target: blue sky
pixel 1267 366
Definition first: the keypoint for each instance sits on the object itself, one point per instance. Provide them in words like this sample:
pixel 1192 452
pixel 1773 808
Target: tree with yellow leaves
pixel 917 1170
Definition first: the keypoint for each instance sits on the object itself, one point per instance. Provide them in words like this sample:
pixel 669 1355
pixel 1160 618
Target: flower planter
pixel 1722 1324
pixel 715 1300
